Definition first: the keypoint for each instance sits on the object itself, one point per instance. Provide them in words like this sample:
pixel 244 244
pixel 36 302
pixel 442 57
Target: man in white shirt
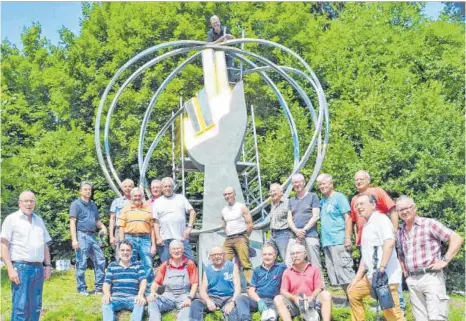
pixel 169 212
pixel 378 234
pixel 26 255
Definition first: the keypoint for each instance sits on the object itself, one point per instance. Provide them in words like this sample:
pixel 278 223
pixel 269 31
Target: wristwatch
pixel 46 264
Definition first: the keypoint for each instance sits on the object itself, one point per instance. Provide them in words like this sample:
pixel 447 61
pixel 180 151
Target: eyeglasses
pixel 405 209
pixel 296 253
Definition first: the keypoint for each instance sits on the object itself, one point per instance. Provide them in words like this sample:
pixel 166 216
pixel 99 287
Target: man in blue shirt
pixel 335 223
pixel 84 221
pixel 265 285
pixel 303 214
pixel 220 287
pixel 124 286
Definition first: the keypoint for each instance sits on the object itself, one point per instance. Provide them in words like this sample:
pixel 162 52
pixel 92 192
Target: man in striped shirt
pixel 124 286
pixel 419 243
pixel 136 226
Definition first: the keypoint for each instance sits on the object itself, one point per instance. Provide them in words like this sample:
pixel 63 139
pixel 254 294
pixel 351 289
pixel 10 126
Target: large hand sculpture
pixel 214 133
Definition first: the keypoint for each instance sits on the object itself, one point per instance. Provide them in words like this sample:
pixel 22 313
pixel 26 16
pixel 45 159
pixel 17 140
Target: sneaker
pixel 84 293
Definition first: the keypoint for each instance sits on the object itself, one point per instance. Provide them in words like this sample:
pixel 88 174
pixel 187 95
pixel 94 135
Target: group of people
pixel 138 229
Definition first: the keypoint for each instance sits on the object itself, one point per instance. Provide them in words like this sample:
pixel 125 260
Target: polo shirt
pixel 171 214
pixel 136 220
pixel 124 282
pixel 86 214
pixel 220 281
pixel 301 210
pixel 187 264
pixel 378 229
pixel 118 205
pixel 268 282
pixel 384 205
pixel 307 281
pixel 27 240
pixel 332 219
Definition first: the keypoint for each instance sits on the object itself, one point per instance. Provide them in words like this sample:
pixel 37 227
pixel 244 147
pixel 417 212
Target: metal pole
pixel 183 191
pixel 254 134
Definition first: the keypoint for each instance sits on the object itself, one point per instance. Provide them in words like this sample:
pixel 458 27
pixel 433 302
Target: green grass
pixel 62 302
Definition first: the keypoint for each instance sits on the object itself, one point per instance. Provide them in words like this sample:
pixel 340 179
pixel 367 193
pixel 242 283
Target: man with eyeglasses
pixel 265 285
pixel 279 227
pixel 117 206
pixel 84 221
pixel 303 214
pixel 137 227
pixel 26 255
pixel 219 289
pixel 302 281
pixel 419 242
pixel 378 256
pixel 169 212
pixel 237 223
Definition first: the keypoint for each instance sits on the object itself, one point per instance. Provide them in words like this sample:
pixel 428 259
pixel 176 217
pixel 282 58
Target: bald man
pixel 237 223
pixel 26 255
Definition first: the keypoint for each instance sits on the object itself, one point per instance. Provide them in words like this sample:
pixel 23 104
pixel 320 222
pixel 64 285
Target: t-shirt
pixel 377 230
pixel 268 282
pixel 301 209
pixel 124 282
pixel 220 282
pixel 191 268
pixel 171 214
pixel 86 214
pixel 384 205
pixel 307 281
pixel 332 219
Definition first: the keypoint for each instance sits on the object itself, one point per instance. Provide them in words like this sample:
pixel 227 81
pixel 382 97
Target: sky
pixel 53 15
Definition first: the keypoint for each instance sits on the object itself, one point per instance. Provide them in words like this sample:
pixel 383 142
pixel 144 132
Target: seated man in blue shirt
pixel 265 285
pixel 124 286
pixel 219 289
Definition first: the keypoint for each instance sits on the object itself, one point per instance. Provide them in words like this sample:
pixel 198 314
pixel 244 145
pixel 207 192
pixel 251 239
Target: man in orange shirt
pixel 136 226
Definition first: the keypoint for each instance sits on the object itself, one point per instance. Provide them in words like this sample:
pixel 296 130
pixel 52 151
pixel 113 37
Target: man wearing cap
pixel 179 278
pixel 26 255
pixel 265 285
pixel 169 212
pixel 84 221
pixel 302 280
pixel 378 255
pixel 419 242
pixel 136 226
pixel 117 205
pixel 220 287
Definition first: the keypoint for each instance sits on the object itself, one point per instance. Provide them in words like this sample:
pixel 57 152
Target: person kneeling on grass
pixel 124 286
pixel 178 276
pixel 302 280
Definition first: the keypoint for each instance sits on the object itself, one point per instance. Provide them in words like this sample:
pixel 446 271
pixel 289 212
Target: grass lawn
pixel 62 302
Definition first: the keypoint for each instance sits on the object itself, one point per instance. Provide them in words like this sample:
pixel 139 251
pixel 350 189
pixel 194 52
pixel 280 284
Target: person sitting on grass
pixel 124 286
pixel 178 276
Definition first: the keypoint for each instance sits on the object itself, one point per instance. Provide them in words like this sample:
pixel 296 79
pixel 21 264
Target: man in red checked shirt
pixel 385 204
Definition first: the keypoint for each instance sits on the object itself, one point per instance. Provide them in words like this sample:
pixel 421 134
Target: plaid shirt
pixel 279 215
pixel 117 205
pixel 419 248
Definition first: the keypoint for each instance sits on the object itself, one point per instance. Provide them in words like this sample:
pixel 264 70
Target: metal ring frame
pixel 319 118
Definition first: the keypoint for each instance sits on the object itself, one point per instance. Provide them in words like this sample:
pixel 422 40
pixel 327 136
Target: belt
pixel 422 272
pixel 236 235
pixel 87 232
pixel 29 263
pixel 276 231
pixel 138 234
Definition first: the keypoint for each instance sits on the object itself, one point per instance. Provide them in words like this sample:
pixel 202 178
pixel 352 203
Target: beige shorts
pixel 428 296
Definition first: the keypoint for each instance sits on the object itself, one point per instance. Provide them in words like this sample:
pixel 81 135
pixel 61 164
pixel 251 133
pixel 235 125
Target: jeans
pixel 402 299
pixel 164 251
pixel 122 303
pixel 280 239
pixel 198 307
pixel 27 296
pixel 246 305
pixel 165 303
pixel 141 249
pixel 88 247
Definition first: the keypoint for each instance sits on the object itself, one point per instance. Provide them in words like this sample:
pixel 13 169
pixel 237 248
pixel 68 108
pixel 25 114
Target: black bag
pixel 380 287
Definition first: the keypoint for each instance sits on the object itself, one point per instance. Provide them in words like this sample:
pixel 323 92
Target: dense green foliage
pixel 394 81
